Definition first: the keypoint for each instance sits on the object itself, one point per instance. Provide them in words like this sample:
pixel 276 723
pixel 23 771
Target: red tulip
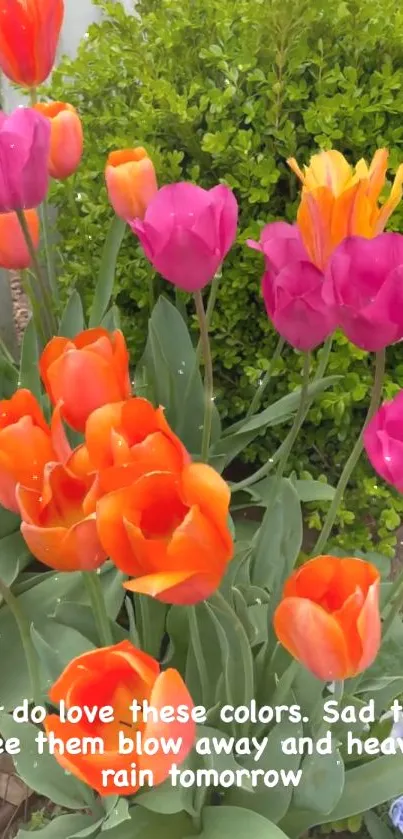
pixel 29 35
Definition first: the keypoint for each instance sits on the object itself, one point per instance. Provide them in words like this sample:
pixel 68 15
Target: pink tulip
pixel 383 441
pixel 292 288
pixel 187 232
pixel 24 152
pixel 364 282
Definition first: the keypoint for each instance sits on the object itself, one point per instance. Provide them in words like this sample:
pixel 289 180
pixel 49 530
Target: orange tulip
pixel 170 532
pixel 117 676
pixel 58 524
pixel 25 446
pixel 85 373
pixel 131 182
pixel 66 138
pixel 126 439
pixel 339 201
pixel 29 35
pixel 14 253
pixel 329 618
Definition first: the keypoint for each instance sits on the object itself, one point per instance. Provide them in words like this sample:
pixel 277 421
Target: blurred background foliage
pixel 226 90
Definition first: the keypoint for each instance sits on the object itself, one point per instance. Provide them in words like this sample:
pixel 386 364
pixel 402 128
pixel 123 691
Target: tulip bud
pixel 117 676
pixel 14 255
pixel 328 618
pixel 66 138
pixel 131 182
pixel 187 232
pixel 383 441
pixel 29 35
pixel 364 285
pixel 292 288
pixel 24 151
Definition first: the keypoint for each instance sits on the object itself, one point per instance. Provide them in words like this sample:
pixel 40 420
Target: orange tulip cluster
pixel 129 491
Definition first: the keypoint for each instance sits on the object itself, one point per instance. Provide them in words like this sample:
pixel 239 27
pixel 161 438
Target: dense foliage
pixel 227 91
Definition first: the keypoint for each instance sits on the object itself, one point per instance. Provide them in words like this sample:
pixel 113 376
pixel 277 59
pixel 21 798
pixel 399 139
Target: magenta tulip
pixel 187 232
pixel 292 288
pixel 383 441
pixel 364 282
pixel 24 153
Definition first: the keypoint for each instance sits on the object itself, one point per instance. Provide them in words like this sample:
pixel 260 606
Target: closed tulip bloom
pixel 131 182
pixel 58 524
pixel 25 446
pixel 14 254
pixel 29 35
pixel 364 284
pixel 126 439
pixel 383 441
pixel 66 138
pixel 187 232
pixel 24 152
pixel 328 618
pixel 85 372
pixel 338 201
pixel 117 676
pixel 170 532
pixel 292 288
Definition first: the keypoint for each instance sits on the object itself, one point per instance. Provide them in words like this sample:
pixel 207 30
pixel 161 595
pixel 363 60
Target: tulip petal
pixel 313 637
pixel 369 627
pixel 77 549
pixel 169 690
pixel 176 587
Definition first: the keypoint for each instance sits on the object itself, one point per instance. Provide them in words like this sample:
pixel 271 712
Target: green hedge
pixel 227 90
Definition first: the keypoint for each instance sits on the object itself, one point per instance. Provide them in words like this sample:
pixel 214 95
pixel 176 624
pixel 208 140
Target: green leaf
pixel 377 828
pixel 48 656
pixel 365 787
pixel 9 522
pixel 81 618
pixel 63 827
pixel 169 365
pixel 321 783
pixel 72 320
pixel 106 278
pixel 202 670
pixel 166 799
pixel 236 437
pixel 236 823
pixel 29 368
pixel 279 540
pixel 150 623
pixel 8 378
pixel 111 320
pixel 42 773
pixel 14 557
pixel 270 802
pixel 236 655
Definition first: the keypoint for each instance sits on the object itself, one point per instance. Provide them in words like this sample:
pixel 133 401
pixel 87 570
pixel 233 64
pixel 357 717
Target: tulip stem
pixel 46 300
pixel 299 416
pixel 254 405
pixel 354 456
pixel 26 641
pixel 273 460
pixel 44 216
pixel 94 588
pixel 208 375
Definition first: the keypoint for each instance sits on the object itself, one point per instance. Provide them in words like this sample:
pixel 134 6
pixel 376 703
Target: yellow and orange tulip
pixel 14 254
pixel 328 618
pixel 338 200
pixel 25 446
pixel 131 182
pixel 66 138
pixel 116 676
pixel 85 372
pixel 58 524
pixel 170 532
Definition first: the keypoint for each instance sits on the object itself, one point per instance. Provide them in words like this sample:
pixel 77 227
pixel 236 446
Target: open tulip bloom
pixel 132 572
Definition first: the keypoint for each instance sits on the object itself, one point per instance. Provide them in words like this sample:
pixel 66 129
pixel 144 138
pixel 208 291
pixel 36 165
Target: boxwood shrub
pixel 226 90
